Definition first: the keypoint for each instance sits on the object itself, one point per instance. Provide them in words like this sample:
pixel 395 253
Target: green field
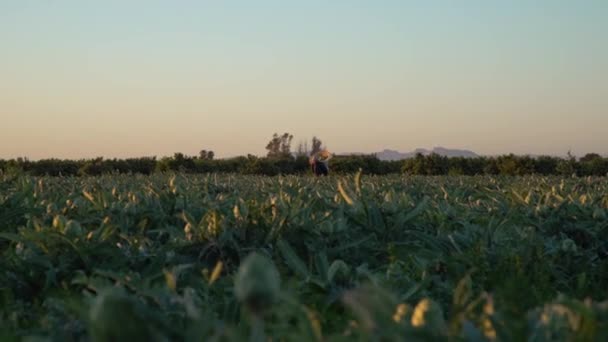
pixel 165 257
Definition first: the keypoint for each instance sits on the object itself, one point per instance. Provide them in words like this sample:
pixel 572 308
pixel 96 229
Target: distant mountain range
pixel 387 154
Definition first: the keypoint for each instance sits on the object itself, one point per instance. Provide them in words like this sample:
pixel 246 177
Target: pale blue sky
pixel 131 78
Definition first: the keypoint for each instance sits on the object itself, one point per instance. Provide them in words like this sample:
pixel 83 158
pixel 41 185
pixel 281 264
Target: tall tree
pixel 279 146
pixel 274 146
pixel 286 139
pixel 206 155
pixel 317 145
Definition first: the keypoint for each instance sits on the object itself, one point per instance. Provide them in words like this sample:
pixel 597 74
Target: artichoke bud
pixel 114 316
pixel 257 283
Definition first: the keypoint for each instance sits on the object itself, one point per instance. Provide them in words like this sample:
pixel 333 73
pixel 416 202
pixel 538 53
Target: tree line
pixel 433 165
pixel 591 164
pixel 281 160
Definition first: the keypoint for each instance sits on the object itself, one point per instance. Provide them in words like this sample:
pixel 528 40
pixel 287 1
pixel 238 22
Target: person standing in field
pixel 319 163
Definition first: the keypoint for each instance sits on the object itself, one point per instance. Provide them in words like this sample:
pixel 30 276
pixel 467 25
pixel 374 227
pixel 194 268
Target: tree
pixel 592 164
pixel 590 157
pixel 317 145
pixel 206 155
pixel 546 165
pixel 567 166
pixel 286 145
pixel 415 166
pixel 181 162
pixel 279 146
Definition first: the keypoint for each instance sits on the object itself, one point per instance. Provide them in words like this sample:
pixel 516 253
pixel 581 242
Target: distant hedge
pixel 590 165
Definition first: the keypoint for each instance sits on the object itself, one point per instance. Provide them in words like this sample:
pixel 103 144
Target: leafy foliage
pixel 281 161
pixel 225 257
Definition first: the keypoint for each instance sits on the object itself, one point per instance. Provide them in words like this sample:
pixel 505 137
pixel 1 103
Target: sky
pixel 82 79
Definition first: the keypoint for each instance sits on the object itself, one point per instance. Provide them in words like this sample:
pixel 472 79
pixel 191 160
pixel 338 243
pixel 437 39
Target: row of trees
pixel 65 167
pixel 590 165
pixel 270 166
pixel 281 160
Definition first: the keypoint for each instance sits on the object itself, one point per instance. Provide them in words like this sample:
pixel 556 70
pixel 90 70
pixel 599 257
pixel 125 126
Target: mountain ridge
pixel 389 154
